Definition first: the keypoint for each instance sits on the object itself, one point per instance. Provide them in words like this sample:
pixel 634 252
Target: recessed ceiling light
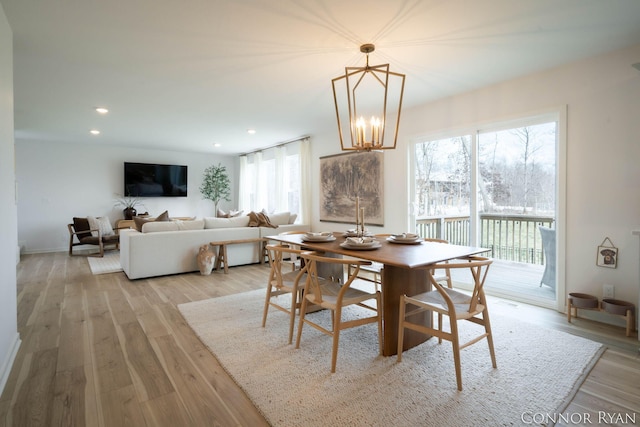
pixel 251 131
pixel 102 110
pixel 94 132
pixel 217 144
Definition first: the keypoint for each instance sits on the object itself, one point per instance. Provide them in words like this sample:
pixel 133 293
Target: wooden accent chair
pixel 80 233
pixel 334 296
pixel 281 283
pixel 455 305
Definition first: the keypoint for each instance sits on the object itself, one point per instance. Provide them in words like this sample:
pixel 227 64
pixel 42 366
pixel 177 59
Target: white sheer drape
pixel 281 202
pixel 260 199
pixel 305 181
pixel 277 179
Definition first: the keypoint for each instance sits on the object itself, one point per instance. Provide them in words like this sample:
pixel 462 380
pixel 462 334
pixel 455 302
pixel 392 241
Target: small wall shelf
pixel 618 308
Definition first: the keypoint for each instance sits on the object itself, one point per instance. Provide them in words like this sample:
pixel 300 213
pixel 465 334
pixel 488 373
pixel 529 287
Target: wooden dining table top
pixel 389 253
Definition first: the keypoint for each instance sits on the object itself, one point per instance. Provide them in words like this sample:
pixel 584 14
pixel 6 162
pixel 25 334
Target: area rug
pixel 539 370
pixel 109 263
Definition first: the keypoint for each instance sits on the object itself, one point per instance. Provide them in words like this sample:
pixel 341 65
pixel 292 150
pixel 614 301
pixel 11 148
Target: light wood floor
pixel 106 351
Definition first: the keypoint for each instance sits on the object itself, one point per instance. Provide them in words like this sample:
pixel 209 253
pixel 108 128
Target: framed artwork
pixel 345 178
pixel 607 254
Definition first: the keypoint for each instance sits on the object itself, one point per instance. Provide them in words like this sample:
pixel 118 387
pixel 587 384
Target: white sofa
pixel 170 247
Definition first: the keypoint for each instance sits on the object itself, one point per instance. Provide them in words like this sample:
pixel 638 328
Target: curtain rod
pixel 280 144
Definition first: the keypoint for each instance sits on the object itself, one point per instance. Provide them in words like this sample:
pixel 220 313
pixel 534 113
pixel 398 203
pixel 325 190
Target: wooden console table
pixel 221 258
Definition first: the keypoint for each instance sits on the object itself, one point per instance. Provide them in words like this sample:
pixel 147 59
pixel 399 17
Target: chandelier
pixel 364 97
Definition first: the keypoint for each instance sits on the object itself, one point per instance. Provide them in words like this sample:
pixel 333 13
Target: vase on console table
pixel 129 213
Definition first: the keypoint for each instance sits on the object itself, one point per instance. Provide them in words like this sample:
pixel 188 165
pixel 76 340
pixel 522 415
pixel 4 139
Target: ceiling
pixel 184 75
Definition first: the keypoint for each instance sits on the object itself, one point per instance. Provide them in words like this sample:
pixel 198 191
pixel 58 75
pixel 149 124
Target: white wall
pixel 9 338
pixel 602 95
pixel 59 181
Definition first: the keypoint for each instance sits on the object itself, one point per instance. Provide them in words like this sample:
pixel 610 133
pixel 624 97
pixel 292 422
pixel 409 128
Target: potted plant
pixel 216 185
pixel 129 203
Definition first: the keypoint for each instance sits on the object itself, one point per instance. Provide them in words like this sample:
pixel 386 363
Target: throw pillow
pixel 102 224
pixel 139 222
pixel 231 214
pixel 292 218
pixel 259 219
pixel 81 224
pixel 164 216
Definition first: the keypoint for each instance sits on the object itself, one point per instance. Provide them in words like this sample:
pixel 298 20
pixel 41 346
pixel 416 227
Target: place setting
pixel 405 239
pixel 361 243
pixel 323 236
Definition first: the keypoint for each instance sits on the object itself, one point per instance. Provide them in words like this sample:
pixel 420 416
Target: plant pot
pixel 616 306
pixel 129 213
pixel 583 300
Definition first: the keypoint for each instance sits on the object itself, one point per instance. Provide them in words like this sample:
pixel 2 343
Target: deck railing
pixel 510 237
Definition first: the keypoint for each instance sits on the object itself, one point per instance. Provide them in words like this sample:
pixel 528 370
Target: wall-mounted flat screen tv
pixel 154 180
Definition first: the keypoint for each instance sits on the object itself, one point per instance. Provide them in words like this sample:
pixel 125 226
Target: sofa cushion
pixel 81 224
pixel 102 224
pixel 197 224
pixel 280 218
pixel 240 221
pixel 155 226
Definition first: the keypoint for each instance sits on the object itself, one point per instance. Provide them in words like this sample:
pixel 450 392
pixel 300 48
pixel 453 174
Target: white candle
pixel 357 212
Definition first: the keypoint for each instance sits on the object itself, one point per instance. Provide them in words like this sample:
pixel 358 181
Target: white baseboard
pixel 9 358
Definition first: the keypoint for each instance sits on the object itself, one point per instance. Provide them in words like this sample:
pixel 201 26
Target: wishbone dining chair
pixel 334 296
pixel 456 305
pixel 283 282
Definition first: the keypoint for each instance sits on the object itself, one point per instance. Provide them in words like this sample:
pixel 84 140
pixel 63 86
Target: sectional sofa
pixel 170 247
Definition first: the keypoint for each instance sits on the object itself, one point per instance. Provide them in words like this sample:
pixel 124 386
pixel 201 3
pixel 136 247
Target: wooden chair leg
pixel 487 329
pixel 401 317
pixel 336 338
pixel 455 340
pixel 266 306
pixel 292 314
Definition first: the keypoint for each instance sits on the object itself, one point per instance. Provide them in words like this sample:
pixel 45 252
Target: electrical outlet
pixel 608 291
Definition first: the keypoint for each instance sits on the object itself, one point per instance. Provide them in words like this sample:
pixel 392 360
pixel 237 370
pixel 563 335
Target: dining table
pixel 403 273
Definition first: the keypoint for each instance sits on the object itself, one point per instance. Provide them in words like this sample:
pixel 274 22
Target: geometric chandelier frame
pixel 364 97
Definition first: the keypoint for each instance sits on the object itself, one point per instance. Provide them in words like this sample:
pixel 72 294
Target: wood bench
pixel 221 258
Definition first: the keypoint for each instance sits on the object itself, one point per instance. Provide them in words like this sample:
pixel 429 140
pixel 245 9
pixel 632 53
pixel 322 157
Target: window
pixel 271 180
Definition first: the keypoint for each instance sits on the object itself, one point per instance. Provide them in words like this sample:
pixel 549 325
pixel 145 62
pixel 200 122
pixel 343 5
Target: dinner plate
pixel 345 245
pixel 318 239
pixel 408 238
pixel 404 241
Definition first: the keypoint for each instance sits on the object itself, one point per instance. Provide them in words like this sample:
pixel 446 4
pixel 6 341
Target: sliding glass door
pixel 513 171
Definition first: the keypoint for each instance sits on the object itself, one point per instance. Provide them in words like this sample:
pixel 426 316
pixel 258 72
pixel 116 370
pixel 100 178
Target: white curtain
pixel 305 181
pixel 244 189
pixel 265 180
pixel 281 201
pixel 260 200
